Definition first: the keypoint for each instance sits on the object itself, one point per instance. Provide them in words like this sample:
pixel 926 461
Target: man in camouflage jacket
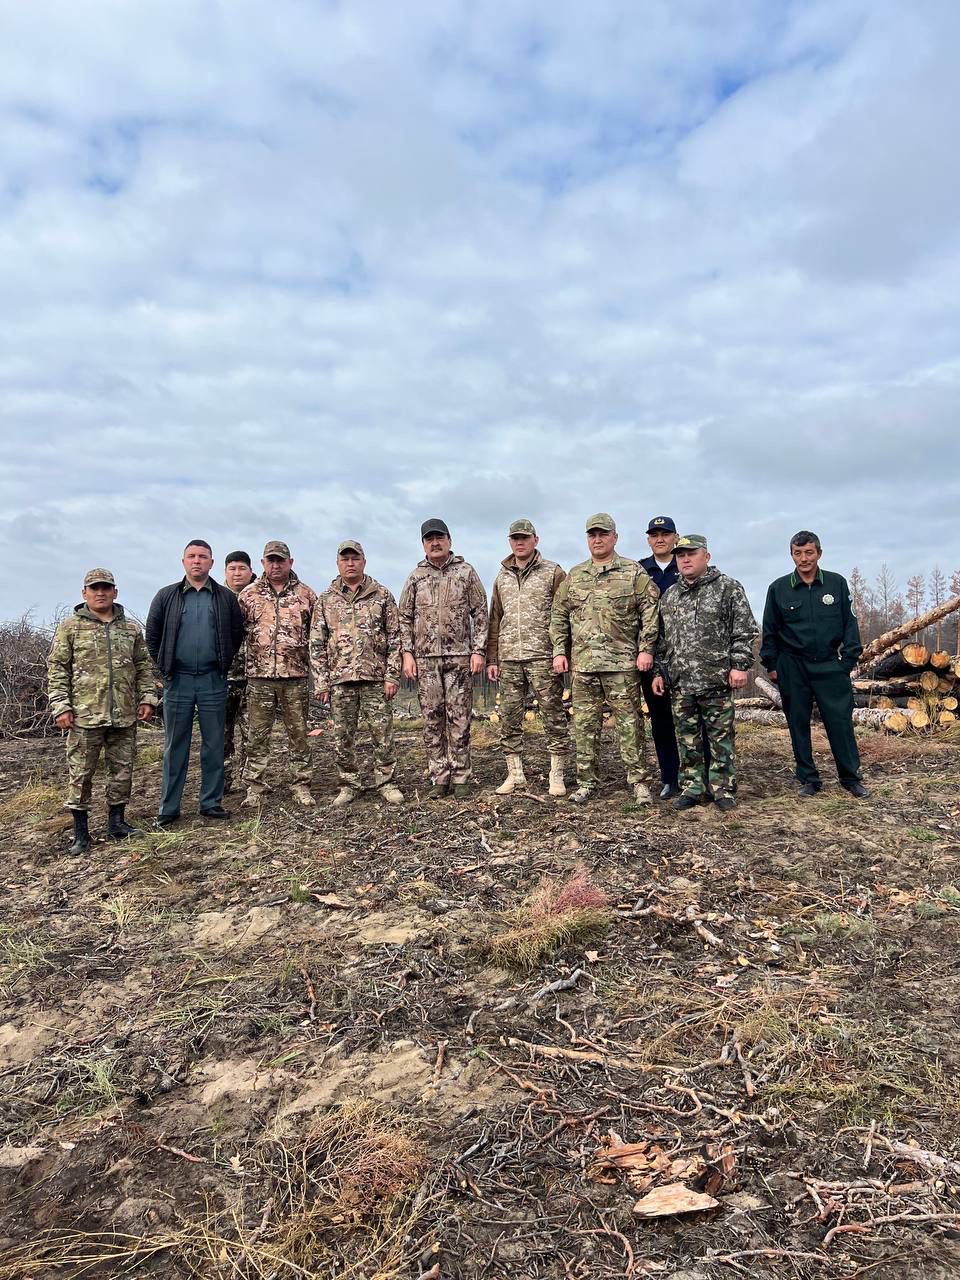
pixel 101 682
pixel 443 631
pixel 520 656
pixel 276 613
pixel 355 657
pixel 705 650
pixel 237 574
pixel 606 612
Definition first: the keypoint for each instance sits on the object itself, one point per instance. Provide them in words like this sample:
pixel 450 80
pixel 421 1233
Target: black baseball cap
pixel 435 525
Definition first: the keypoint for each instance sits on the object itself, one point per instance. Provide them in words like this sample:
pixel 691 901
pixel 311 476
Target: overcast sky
pixel 321 270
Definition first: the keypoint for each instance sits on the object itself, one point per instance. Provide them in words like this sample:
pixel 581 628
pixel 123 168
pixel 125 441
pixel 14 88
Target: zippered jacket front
pixel 354 635
pixel 277 629
pixel 443 611
pixel 707 630
pixel 101 671
pixel 520 610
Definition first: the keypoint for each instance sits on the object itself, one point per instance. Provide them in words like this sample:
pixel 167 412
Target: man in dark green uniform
pixel 811 643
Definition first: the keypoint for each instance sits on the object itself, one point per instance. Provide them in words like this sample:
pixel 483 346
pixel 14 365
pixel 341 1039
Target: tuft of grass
pixel 22 953
pixel 841 925
pixel 925 835
pixel 35 800
pixel 557 914
pixel 148 755
pixel 927 910
pixel 121 910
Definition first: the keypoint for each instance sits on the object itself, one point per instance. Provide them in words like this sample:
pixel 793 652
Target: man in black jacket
pixel 661 568
pixel 194 628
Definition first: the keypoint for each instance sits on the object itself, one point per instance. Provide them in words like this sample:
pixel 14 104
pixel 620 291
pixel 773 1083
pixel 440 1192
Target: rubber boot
pixel 557 785
pixel 81 832
pixel 117 827
pixel 515 777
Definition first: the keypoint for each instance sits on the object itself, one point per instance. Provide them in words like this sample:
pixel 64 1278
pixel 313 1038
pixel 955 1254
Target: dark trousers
pixel 182 695
pixel 662 730
pixel 802 684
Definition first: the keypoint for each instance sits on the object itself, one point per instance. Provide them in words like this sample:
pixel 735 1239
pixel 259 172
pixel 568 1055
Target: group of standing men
pixel 670 628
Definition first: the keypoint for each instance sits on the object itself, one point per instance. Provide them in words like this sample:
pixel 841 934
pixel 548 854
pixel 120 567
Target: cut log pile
pixel 899 686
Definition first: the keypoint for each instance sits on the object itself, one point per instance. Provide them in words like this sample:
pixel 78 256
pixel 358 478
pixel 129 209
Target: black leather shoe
pixel 810 789
pixel 668 791
pixel 856 789
pixel 167 819
pixel 218 811
pixel 685 802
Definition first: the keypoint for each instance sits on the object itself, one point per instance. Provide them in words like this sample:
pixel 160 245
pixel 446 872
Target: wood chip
pixel 675 1198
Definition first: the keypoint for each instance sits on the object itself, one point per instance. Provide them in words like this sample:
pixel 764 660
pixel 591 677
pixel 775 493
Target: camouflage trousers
pixel 266 699
pixel 620 690
pixel 119 747
pixel 705 715
pixel 351 702
pixel 537 676
pixel 235 728
pixel 445 689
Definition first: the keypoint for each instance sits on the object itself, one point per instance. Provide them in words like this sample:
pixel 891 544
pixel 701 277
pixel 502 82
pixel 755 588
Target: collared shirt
pixel 196 651
pixel 662 576
pixel 812 621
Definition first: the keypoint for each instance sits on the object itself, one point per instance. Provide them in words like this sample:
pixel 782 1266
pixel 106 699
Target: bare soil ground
pixel 278 1047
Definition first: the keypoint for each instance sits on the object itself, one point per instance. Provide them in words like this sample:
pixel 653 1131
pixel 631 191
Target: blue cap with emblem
pixel 661 524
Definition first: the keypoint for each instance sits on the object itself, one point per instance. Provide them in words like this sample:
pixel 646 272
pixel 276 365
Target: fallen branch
pixel 578 1055
pixel 562 984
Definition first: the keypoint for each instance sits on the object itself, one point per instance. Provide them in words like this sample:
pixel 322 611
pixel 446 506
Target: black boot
pixel 81 832
pixel 117 829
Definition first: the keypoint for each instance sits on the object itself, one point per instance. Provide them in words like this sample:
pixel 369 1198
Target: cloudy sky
pixel 318 270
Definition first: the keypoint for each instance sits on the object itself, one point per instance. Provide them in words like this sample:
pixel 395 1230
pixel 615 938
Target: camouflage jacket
pixel 443 612
pixel 100 671
pixel 354 635
pixel 608 613
pixel 707 630
pixel 520 610
pixel 276 629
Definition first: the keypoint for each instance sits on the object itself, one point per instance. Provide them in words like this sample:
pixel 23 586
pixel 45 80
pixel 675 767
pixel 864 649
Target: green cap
pixel 99 575
pixel 522 526
pixel 602 521
pixel 350 545
pixel 691 542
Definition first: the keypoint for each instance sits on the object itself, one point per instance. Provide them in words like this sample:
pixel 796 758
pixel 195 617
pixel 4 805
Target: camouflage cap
pixel 349 545
pixel 662 524
pixel 602 521
pixel 522 526
pixel 691 542
pixel 276 548
pixel 99 575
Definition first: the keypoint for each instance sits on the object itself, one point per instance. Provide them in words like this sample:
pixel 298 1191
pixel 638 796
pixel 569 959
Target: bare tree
pixel 884 592
pixel 24 709
pixel 955 591
pixel 936 594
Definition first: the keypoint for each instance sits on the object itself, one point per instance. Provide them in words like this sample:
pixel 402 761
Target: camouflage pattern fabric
pixel 516 678
pixel 277 629
pixel 707 629
pixel 445 689
pixel 443 612
pixel 235 727
pixel 100 671
pixel 520 610
pixel 696 714
pixel 621 692
pixel 356 701
pixel 267 699
pixel 354 635
pixel 604 615
pixel 119 747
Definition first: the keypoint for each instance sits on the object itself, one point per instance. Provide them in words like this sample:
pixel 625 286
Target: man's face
pixel 277 569
pixel 436 547
pixel 238 575
pixel 99 596
pixel 806 558
pixel 692 562
pixel 662 543
pixel 523 545
pixel 601 543
pixel 351 567
pixel 197 563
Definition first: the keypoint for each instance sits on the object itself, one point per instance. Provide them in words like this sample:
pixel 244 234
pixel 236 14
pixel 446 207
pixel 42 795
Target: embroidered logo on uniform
pixel 828 598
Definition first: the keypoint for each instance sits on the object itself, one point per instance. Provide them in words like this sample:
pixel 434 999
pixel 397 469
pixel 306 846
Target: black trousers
pixel 802 684
pixel 662 730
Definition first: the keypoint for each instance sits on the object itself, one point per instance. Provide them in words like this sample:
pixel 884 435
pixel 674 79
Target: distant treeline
pixel 882 604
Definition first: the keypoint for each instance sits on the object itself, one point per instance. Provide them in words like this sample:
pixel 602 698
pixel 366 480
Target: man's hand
pixel 409 667
pixel 144 711
pixel 772 675
pixel 644 661
pixel 493 671
pixel 324 697
pixel 560 666
pixel 476 664
pixel 64 721
pixel 737 679
pixel 389 689
pixel 658 687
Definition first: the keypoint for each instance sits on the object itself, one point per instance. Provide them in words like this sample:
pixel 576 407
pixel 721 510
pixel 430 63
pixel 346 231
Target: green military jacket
pixel 605 615
pixel 100 671
pixel 815 622
pixel 707 630
pixel 354 635
pixel 520 610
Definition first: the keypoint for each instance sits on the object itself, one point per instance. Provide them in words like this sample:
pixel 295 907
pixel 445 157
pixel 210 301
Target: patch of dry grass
pixel 575 910
pixel 37 799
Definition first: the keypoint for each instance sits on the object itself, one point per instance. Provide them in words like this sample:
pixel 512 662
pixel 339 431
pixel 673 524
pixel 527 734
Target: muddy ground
pixel 278 1047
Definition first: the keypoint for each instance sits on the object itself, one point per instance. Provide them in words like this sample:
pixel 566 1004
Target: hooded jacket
pixel 101 671
pixel 354 635
pixel 277 629
pixel 443 611
pixel 520 610
pixel 707 630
